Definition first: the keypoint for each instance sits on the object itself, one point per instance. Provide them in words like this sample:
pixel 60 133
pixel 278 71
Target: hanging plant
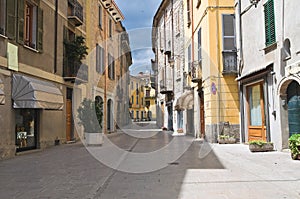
pixel 76 50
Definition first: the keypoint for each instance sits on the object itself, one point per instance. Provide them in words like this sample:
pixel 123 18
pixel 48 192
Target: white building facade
pixel 269 55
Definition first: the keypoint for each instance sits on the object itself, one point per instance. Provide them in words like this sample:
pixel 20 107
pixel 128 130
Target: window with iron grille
pixel 269 23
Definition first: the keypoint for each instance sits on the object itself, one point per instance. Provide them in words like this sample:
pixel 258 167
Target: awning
pixel 185 101
pixel 28 92
pixel 2 96
pixel 256 70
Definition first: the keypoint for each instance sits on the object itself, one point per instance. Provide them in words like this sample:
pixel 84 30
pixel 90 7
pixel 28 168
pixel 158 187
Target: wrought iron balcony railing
pixel 196 71
pixel 75 12
pixel 166 86
pixel 229 62
pixel 75 71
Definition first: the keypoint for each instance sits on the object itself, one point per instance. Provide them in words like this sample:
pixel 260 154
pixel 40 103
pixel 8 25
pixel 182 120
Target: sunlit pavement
pixel 204 171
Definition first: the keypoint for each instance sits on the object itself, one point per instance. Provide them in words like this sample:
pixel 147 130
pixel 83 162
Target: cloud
pixel 141 60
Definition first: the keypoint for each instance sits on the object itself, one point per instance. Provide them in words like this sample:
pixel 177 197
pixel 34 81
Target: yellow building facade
pixel 212 65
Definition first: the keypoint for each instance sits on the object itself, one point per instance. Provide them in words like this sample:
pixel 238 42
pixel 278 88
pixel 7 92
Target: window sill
pixel 32 49
pixel 3 36
pixel 270 48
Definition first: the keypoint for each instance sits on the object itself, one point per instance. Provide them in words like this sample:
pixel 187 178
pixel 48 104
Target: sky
pixel 138 22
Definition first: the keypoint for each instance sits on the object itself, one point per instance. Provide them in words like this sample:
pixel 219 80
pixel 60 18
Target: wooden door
pixel 69 120
pixel 202 120
pixel 256 113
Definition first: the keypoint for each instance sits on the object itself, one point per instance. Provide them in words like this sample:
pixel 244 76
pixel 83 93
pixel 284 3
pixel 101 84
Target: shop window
pixel 26 129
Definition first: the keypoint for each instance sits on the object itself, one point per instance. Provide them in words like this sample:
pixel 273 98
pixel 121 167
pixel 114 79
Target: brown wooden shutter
pixel 21 21
pixel 11 19
pixel 40 30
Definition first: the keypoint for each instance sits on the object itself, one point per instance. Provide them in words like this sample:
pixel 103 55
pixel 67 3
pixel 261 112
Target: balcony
pixel 166 86
pixel 229 62
pixel 75 71
pixel 75 12
pixel 196 71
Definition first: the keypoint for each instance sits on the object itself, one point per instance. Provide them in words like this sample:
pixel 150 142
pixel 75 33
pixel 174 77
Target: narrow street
pixel 214 171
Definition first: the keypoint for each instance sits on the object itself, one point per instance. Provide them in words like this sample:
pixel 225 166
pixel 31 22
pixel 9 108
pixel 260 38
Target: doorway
pixel 256 112
pixel 293 99
pixel 69 116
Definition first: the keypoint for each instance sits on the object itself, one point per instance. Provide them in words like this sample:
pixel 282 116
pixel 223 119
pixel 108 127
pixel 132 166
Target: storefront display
pixel 26 131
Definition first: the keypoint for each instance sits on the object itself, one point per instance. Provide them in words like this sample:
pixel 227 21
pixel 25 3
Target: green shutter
pixel 11 19
pixel 21 14
pixel 40 30
pixel 269 23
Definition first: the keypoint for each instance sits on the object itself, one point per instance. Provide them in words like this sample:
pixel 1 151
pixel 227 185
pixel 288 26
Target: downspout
pixel 241 65
pixel 219 70
pixel 55 36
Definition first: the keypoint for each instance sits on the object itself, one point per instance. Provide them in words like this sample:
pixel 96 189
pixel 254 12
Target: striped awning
pixel 185 101
pixel 29 92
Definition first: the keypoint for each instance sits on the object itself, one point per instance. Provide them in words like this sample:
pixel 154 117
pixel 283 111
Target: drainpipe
pixel 241 64
pixel 55 36
pixel 219 69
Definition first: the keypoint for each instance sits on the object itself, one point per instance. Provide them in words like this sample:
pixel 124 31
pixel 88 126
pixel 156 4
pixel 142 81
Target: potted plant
pixel 260 146
pixel 180 130
pixel 90 115
pixel 226 139
pixel 294 145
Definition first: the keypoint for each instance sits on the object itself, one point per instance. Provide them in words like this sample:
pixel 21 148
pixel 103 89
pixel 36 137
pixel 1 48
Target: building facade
pixel 168 65
pixel 269 70
pixel 42 80
pixel 210 51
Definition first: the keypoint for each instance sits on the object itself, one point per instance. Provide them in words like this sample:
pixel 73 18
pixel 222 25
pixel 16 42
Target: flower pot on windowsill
pixel 260 146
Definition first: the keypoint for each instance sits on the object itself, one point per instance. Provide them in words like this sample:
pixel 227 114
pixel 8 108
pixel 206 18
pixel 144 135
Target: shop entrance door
pixel 256 113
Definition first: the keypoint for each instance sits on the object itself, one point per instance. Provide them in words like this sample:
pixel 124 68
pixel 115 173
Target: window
pixel 110 28
pixel 142 102
pixel 100 17
pixel 131 85
pixel 147 93
pixel 189 57
pixel 137 99
pixel 24 22
pixel 132 99
pixel 32 25
pixel 269 23
pixel 111 67
pixel 228 33
pixel 199 47
pixel 188 6
pixel 99 59
pixel 137 115
pixel 2 16
pixel 147 103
